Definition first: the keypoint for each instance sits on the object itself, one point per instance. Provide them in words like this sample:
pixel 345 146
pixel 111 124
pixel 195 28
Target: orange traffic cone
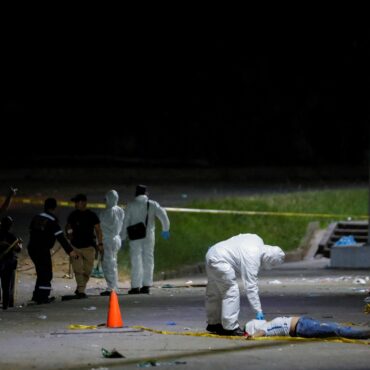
pixel 114 313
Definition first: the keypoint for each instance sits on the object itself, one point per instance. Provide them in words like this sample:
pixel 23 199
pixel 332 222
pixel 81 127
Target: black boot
pixel 145 290
pixel 214 328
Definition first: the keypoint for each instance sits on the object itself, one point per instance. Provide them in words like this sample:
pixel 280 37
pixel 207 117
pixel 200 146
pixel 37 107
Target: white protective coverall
pixel 239 256
pixel 142 250
pixel 111 222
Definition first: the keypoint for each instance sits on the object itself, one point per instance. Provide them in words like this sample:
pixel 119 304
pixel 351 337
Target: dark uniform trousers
pixel 43 265
pixel 7 275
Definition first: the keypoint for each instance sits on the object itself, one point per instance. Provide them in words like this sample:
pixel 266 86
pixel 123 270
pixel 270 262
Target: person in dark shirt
pixel 83 228
pixel 9 246
pixel 44 231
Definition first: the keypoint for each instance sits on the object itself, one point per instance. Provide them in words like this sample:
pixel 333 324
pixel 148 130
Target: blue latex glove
pixel 260 315
pixel 165 235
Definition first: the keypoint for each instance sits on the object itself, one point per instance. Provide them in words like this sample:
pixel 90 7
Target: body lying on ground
pixel 303 326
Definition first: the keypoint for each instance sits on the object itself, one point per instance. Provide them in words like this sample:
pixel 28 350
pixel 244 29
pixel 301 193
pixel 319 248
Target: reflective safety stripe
pixel 58 232
pixel 44 287
pixel 47 216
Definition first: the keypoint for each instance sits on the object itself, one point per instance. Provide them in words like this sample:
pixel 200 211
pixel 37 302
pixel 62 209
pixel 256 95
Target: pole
pixel 368 211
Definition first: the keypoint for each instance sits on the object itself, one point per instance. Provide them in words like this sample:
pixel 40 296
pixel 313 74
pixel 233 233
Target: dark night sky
pixel 271 96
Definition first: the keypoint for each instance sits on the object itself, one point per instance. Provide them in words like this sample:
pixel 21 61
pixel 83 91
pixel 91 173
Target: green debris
pixel 111 354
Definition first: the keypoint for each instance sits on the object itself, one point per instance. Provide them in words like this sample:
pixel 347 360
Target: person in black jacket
pixel 9 246
pixel 44 230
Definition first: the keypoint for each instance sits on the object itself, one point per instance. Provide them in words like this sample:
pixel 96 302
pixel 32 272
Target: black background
pixel 161 96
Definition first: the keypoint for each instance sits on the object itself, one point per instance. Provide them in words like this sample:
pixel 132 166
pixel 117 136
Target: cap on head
pixel 79 198
pixel 50 203
pixel 6 223
pixel 140 190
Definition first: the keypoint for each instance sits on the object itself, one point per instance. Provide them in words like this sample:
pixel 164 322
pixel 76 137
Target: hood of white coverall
pixel 251 327
pixel 111 198
pixel 271 256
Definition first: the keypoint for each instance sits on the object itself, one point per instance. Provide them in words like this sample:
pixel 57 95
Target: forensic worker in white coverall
pixel 144 210
pixel 240 256
pixel 111 223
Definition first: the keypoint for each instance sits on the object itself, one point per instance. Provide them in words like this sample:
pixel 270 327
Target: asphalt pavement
pixel 38 336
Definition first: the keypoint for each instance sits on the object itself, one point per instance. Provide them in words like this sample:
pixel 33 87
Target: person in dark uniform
pixel 44 230
pixel 9 246
pixel 3 208
pixel 83 228
pixel 8 199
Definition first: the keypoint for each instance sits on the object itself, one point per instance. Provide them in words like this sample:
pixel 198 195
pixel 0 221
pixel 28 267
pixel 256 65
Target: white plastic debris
pixel 275 282
pixel 189 282
pixel 42 317
pixel 359 281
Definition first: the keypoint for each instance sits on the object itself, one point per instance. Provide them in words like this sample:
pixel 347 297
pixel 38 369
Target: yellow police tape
pixel 208 335
pixel 81 327
pixel 209 211
pixel 367 308
pixel 291 339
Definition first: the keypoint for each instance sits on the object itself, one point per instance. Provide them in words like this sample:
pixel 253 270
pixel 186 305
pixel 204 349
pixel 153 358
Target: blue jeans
pixel 310 328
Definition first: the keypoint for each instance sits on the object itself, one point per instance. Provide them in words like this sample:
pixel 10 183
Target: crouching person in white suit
pixel 240 256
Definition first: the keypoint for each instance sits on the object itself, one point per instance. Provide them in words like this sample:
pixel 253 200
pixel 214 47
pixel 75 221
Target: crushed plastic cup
pixel 91 308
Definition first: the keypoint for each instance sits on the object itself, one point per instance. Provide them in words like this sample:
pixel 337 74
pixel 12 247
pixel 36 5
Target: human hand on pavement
pixel 260 315
pixel 165 235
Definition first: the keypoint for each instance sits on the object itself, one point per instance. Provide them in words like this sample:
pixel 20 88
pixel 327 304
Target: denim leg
pixel 353 333
pixel 310 328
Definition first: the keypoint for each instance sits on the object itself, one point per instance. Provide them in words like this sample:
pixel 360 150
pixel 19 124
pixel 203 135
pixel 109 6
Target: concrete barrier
pixel 351 256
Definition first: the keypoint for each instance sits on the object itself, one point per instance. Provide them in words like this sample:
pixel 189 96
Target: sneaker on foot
pixel 80 295
pixel 134 291
pixel 105 293
pixel 233 333
pixel 45 300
